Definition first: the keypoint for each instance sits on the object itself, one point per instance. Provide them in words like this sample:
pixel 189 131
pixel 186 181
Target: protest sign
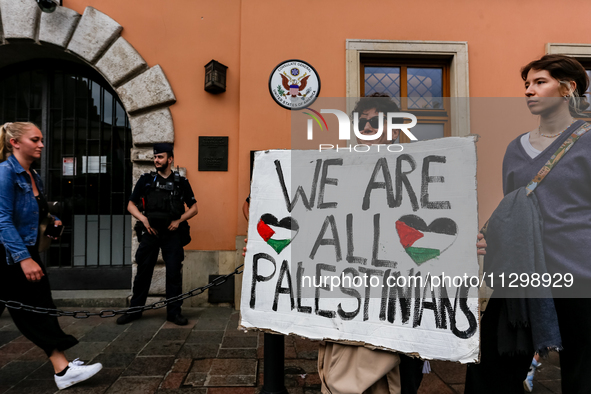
pixel 373 247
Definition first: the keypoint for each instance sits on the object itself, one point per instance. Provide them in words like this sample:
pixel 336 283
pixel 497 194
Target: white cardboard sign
pixel 336 238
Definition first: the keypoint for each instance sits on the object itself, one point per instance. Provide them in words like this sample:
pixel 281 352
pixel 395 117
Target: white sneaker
pixel 76 373
pixel 528 383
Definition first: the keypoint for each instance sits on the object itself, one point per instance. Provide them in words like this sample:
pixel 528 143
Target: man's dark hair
pixel 380 101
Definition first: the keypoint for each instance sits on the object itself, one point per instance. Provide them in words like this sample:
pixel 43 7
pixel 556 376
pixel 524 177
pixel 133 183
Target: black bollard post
pixel 274 373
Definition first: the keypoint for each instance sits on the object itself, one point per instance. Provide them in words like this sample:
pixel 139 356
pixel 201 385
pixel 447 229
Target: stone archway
pixel 95 39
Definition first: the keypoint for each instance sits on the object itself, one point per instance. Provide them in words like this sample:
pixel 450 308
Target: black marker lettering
pixel 404 297
pixel 376 244
pixel 426 179
pixel 384 300
pixel 370 273
pixel 328 241
pixel 283 271
pixel 317 310
pixel 350 258
pixel 299 274
pixel 401 177
pixel 300 190
pixel 431 305
pixel 327 181
pixel 461 295
pixel 350 292
pixel 259 278
pixel 382 165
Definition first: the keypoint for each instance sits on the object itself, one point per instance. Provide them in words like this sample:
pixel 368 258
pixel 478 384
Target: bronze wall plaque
pixel 213 153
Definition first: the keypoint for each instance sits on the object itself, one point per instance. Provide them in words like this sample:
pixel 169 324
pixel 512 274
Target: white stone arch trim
pixel 57 28
pixel 459 80
pixel 20 19
pixel 95 38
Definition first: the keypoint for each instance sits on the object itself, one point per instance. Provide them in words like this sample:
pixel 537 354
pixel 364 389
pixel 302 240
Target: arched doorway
pixel 85 166
pixel 91 43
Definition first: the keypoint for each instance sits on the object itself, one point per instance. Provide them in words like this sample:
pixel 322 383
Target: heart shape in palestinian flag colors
pixel 278 234
pixel 423 243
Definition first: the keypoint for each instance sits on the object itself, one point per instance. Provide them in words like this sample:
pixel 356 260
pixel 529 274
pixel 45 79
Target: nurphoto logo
pixel 394 121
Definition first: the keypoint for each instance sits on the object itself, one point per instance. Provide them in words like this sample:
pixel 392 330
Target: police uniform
pixel 162 200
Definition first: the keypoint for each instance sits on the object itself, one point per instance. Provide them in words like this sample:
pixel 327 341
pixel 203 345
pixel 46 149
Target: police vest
pixel 163 201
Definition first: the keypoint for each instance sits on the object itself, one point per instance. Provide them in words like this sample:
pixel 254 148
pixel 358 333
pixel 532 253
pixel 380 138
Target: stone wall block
pixel 1 29
pixel 19 18
pixel 95 32
pixel 142 155
pixel 227 262
pixel 139 169
pixel 197 267
pixel 152 127
pixel 121 62
pixel 57 27
pixel 147 90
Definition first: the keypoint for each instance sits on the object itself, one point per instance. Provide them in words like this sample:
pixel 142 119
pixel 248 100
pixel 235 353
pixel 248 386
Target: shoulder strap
pixel 555 158
pixel 177 184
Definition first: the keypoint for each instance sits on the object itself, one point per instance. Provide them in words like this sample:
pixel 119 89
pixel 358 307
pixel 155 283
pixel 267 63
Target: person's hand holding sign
pixel 481 244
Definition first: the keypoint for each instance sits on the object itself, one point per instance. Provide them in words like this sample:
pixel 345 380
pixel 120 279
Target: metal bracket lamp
pixel 215 77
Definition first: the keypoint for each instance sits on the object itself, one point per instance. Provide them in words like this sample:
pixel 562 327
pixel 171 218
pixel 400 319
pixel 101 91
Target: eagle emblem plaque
pixel 294 84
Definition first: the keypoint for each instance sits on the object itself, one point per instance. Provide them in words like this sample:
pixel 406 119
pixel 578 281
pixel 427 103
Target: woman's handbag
pixel 45 241
pixel 47 230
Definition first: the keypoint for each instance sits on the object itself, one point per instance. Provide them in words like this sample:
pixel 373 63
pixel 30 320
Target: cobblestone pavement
pixel 209 356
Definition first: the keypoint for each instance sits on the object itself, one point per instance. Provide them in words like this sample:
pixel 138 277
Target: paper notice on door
pixel 69 166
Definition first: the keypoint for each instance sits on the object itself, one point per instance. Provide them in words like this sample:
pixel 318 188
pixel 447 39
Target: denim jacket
pixel 19 211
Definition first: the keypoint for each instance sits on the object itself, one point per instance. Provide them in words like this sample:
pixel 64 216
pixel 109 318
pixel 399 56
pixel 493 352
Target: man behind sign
pixel 158 203
pixel 356 369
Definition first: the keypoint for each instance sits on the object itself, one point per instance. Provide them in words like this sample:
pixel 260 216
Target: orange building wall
pixel 252 36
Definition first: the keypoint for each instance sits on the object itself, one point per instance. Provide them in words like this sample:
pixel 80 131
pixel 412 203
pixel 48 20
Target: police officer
pixel 158 202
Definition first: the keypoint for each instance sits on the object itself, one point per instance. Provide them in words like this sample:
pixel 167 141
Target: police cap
pixel 162 148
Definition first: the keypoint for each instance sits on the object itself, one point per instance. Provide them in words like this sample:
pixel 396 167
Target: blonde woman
pixel 22 275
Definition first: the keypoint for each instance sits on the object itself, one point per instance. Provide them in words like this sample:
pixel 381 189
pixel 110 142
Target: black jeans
pixel 574 319
pixel 495 374
pixel 146 258
pixel 411 374
pixel 43 330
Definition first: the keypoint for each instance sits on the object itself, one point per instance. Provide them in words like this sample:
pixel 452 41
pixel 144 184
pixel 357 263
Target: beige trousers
pixel 350 369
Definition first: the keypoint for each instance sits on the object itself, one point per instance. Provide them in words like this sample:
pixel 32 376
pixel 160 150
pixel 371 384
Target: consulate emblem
pixel 294 84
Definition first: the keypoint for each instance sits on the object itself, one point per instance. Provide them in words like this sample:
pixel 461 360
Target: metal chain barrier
pixel 112 313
